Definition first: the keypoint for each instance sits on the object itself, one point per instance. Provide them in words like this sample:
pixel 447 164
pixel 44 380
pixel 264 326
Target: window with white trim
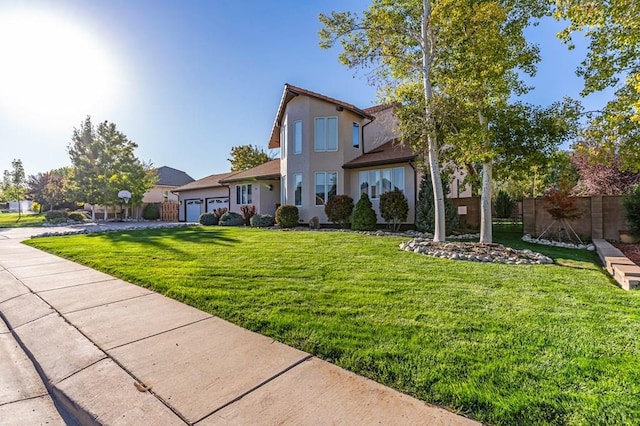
pixel 326 184
pixel 356 135
pixel 297 189
pixel 283 190
pixel 326 134
pixel 297 137
pixel 376 182
pixel 283 140
pixel 243 194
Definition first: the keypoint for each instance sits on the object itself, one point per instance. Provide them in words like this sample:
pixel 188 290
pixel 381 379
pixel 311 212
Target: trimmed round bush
pixel 394 208
pixel 151 212
pixel 261 220
pixel 77 216
pixel 56 216
pixel 231 219
pixel 631 205
pixel 287 216
pixel 208 219
pixel 339 209
pixel 364 217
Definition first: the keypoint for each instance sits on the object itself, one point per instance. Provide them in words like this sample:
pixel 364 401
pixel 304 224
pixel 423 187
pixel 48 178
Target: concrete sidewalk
pixel 111 352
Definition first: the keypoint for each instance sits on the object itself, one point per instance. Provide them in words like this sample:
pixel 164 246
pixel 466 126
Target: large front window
pixel 243 194
pixel 376 182
pixel 326 186
pixel 326 134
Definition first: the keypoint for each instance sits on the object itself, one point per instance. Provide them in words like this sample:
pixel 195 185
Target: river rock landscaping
pixel 475 252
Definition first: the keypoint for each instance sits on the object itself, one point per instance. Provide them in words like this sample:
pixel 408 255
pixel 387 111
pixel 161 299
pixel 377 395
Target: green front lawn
pixel 8 220
pixel 502 344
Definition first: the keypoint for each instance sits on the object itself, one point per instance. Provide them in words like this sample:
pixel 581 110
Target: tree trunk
pixel 486 234
pixel 105 215
pixel 93 213
pixel 432 141
pixel 485 199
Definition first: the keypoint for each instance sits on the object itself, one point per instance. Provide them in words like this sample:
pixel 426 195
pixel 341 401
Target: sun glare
pixel 52 69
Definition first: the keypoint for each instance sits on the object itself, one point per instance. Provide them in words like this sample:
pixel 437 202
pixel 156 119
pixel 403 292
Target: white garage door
pixel 217 203
pixel 193 210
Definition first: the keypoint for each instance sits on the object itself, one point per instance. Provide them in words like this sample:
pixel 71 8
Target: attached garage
pixel 203 195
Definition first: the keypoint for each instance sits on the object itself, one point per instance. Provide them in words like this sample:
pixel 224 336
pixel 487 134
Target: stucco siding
pixel 265 195
pixel 381 130
pixel 156 194
pixel 309 162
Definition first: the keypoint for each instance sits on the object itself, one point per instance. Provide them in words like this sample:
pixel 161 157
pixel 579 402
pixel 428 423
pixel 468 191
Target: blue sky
pixel 185 80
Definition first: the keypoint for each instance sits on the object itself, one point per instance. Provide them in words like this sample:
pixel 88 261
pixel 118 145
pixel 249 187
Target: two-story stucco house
pixel 329 147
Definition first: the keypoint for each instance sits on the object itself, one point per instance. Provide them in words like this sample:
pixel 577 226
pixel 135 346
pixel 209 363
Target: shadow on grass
pixel 168 238
pixel 511 236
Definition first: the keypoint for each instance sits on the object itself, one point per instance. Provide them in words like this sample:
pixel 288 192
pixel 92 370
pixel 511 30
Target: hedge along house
pixel 258 186
pixel 330 147
pixel 203 195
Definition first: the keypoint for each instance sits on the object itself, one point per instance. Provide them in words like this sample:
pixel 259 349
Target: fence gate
pixel 169 212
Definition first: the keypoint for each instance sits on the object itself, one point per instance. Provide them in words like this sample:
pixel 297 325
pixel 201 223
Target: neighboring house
pixel 22 206
pixel 168 180
pixel 201 196
pixel 259 186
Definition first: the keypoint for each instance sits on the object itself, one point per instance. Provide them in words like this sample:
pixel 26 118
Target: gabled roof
pixel 291 92
pixel 168 176
pixel 388 153
pixel 377 108
pixel 267 171
pixel 211 181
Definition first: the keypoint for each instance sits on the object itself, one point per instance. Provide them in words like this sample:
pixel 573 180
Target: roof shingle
pixel 268 170
pixel 211 181
pixel 168 176
pixel 391 152
pixel 291 92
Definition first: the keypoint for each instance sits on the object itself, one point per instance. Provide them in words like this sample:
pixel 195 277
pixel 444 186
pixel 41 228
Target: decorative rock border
pixel 529 239
pixel 476 252
pixel 94 228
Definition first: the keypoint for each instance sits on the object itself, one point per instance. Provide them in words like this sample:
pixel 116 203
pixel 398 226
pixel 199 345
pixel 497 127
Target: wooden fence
pixel 602 217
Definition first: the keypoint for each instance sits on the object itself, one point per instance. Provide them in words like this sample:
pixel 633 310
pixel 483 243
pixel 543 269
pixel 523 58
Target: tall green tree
pixel 459 61
pixel 399 41
pixel 613 60
pixel 104 163
pixel 479 75
pixel 14 184
pixel 245 157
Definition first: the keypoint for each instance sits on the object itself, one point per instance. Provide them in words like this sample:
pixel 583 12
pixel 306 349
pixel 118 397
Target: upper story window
pixel 326 134
pixel 297 137
pixel 356 135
